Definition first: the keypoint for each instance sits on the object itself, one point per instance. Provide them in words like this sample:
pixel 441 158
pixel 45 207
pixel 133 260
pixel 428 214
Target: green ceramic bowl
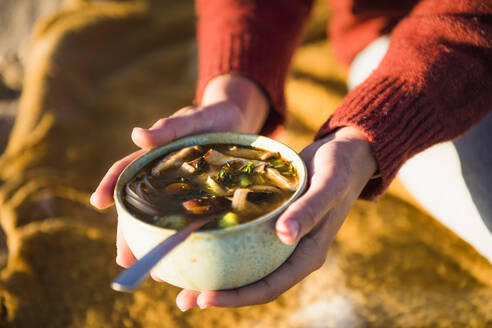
pixel 212 259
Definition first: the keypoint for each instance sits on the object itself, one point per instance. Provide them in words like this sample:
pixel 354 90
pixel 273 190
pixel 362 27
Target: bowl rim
pixel 182 142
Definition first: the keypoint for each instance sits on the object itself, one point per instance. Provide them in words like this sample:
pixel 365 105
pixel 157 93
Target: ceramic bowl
pixel 212 259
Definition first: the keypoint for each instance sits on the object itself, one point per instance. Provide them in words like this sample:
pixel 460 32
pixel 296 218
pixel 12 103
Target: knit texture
pixel 354 24
pixel 255 39
pixel 433 84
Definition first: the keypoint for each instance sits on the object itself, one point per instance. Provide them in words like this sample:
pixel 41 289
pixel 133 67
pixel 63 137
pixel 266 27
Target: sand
pixel 94 71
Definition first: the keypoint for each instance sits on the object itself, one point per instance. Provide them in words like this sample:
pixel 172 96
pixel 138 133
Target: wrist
pixel 361 154
pixel 243 94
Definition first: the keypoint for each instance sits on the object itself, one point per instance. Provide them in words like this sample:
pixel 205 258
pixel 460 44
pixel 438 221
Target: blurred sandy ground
pixel 96 69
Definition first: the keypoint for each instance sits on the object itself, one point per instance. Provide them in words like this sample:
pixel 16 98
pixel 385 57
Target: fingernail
pixel 182 308
pixel 137 129
pixel 92 199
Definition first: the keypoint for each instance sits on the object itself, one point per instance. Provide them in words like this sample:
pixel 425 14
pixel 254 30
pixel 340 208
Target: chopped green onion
pixel 247 168
pixel 292 169
pixel 245 181
pixel 224 177
pixel 277 163
pixel 175 222
pixel 226 174
pixel 229 219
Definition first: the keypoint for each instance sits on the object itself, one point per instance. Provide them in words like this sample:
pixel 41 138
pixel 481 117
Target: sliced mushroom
pixel 214 157
pixel 195 166
pixel 186 167
pixel 241 204
pixel 259 196
pixel 175 159
pixel 261 168
pixel 199 164
pixel 239 199
pixel 244 153
pixel 281 181
pixel 268 156
pixel 207 205
pixel 264 188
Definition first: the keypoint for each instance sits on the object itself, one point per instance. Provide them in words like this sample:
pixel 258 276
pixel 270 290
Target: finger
pixel 325 191
pixel 103 196
pixel 302 215
pixel 124 256
pixel 308 256
pixel 164 130
pixel 186 299
pixel 188 121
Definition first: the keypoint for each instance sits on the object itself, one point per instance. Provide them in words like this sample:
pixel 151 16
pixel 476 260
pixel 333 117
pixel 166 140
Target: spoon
pixel 133 276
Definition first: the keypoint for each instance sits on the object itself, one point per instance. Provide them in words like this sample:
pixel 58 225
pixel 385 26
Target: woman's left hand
pixel 340 165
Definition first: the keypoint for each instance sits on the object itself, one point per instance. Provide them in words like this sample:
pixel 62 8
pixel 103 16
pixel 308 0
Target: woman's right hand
pixel 230 103
pixel 222 116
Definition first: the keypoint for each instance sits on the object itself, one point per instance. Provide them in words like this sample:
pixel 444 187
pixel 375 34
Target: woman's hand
pixel 230 103
pixel 340 165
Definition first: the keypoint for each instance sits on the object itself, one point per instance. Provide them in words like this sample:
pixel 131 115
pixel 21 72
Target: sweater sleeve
pixel 433 84
pixel 255 39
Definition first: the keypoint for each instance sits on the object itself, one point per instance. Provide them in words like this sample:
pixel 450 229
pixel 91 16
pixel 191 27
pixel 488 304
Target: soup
pixel 228 184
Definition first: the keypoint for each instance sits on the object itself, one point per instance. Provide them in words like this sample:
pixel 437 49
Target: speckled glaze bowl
pixel 212 259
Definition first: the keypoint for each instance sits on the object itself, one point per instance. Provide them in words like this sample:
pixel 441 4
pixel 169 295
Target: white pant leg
pixel 433 177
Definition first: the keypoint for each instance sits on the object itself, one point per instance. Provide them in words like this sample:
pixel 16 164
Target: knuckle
pixel 167 129
pixel 184 111
pixel 159 123
pixel 309 244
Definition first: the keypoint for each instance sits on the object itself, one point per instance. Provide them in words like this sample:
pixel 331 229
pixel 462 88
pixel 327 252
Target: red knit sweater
pixel 433 84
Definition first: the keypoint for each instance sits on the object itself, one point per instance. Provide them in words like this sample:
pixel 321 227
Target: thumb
pixel 326 190
pixel 303 215
pixel 187 121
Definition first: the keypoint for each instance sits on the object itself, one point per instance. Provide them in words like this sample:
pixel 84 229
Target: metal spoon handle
pixel 131 278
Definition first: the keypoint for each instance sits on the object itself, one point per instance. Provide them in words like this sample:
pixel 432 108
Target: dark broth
pixel 230 184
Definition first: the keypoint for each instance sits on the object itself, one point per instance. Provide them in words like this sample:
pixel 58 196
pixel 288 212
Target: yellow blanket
pixel 97 69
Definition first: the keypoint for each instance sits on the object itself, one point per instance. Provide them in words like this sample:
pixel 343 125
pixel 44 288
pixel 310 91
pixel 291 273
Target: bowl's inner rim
pixel 243 139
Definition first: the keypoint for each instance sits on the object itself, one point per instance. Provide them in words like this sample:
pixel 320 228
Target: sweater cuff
pixel 397 120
